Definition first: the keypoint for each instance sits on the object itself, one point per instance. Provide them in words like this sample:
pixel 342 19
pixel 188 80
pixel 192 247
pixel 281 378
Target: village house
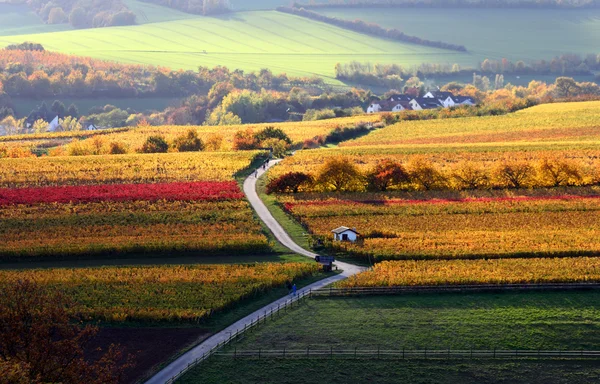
pixel 431 100
pixel 345 234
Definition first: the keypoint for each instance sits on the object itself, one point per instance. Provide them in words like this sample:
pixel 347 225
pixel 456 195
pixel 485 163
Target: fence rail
pixel 260 319
pixel 409 354
pixel 355 291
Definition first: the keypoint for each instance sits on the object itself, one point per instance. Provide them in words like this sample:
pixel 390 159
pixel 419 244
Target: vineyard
pixel 563 122
pixel 469 272
pixel 132 139
pixel 126 205
pixel 494 227
pixel 120 169
pixel 162 293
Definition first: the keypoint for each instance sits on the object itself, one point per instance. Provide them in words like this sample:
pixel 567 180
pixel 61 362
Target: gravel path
pixel 197 352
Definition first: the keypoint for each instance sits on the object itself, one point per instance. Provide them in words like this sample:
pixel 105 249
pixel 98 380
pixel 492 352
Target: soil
pixel 150 346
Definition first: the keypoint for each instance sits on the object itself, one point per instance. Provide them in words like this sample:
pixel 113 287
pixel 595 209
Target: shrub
pixel 189 142
pixel 279 147
pixel 340 134
pixel 289 183
pixel 116 148
pixel 320 114
pixel 155 144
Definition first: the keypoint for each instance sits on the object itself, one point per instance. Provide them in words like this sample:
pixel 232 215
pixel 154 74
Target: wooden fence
pixel 409 353
pixel 359 291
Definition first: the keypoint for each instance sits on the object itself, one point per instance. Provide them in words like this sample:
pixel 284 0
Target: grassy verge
pixel 296 231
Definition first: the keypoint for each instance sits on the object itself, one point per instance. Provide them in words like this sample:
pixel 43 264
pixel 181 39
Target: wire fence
pixel 358 291
pixel 409 354
pixel 248 327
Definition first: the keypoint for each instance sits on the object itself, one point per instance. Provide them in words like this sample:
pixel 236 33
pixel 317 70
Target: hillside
pixel 246 40
pixel 527 34
pixel 19 20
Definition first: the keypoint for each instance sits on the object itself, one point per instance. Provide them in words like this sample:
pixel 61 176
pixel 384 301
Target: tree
pixel 514 174
pixel 278 147
pixel 41 343
pixel 566 87
pixel 468 175
pixel 57 16
pixel 273 133
pixel 155 144
pixel 70 123
pixel 189 142
pixel 245 140
pixel 58 108
pixel 425 175
pixel 290 182
pixel 40 126
pixel 340 174
pixel 387 173
pixel 10 124
pixel 557 172
pixel 73 111
pixel 213 142
pixel 122 18
pixel 78 18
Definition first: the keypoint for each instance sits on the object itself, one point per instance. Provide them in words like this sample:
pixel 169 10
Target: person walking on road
pixel 294 290
pixel 256 174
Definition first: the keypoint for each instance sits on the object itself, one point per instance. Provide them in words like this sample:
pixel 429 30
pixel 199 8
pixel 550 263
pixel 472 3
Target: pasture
pixel 526 34
pixel 246 40
pixel 554 320
pixel 20 20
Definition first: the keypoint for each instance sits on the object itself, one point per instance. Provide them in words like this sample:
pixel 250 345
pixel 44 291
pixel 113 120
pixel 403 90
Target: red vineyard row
pixel 205 190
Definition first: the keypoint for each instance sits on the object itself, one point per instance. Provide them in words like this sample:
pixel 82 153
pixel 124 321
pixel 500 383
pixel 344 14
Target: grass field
pixel 246 40
pixel 486 321
pixel 336 371
pixel 527 34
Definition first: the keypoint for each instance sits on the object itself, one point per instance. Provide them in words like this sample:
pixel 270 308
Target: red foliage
pixel 205 190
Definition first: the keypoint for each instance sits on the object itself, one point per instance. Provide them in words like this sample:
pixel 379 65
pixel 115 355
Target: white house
pixel 374 108
pixel 54 125
pixel 463 100
pixel 421 103
pixel 345 234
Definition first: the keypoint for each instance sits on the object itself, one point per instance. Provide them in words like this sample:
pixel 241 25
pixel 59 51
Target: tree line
pixel 82 13
pixel 370 28
pixel 200 7
pixel 340 174
pixel 392 75
pixel 451 4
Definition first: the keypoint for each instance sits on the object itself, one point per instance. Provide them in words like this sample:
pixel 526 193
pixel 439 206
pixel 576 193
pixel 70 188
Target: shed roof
pixel 343 229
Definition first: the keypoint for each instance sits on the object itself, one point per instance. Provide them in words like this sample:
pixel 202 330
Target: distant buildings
pixel 431 100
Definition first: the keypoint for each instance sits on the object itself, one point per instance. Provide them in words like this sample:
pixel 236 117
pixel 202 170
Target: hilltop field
pixel 302 47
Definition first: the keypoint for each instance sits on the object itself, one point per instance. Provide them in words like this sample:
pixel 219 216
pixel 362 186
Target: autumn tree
pixel 514 174
pixel 214 142
pixel 387 174
pixel 468 175
pixel 425 175
pixel 245 140
pixel 155 144
pixel 188 142
pixel 41 343
pixel 339 174
pixel 557 172
pixel 290 182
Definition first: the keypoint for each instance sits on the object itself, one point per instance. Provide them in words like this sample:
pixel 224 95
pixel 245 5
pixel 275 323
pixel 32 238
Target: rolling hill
pixel 244 40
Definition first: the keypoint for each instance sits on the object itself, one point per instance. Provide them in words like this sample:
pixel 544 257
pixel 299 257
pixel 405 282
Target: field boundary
pixel 464 354
pixel 376 291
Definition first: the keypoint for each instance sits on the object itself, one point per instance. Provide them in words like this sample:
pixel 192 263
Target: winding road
pixel 281 235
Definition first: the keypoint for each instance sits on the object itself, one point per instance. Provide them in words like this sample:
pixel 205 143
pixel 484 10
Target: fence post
pixel 403 357
pixel 284 352
pixel 378 350
pixel 355 349
pixel 494 353
pixel 425 351
pixel 259 351
pixel 331 352
pixel 307 351
pixel 235 352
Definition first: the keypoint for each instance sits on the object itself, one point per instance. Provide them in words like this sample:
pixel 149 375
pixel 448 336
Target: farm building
pixel 345 234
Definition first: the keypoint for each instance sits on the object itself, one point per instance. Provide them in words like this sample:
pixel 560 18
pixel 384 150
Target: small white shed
pixel 345 234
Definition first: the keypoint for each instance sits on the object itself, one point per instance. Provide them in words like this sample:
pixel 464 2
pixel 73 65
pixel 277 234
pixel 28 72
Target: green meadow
pixel 19 20
pixel 245 40
pixel 515 34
